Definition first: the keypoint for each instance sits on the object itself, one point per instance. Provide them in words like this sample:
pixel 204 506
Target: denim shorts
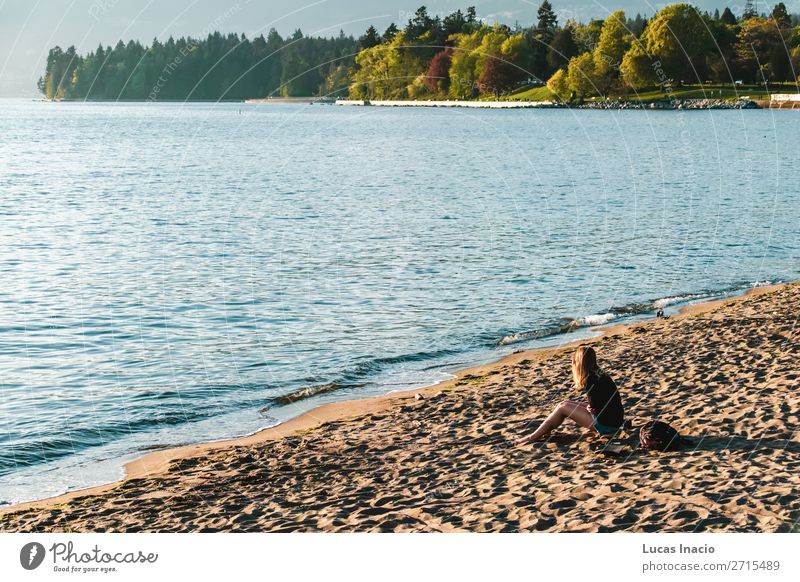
pixel 604 429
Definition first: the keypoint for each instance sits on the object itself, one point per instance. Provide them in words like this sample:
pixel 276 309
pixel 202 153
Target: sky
pixel 29 28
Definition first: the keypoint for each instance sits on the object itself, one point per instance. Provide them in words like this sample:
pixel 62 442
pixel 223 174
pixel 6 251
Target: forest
pixel 219 67
pixel 459 56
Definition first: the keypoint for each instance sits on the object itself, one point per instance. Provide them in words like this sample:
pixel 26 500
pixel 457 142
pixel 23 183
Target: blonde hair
pixel 584 364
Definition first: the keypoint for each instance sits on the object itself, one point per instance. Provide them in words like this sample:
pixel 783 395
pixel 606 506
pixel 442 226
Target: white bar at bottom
pixel 423 557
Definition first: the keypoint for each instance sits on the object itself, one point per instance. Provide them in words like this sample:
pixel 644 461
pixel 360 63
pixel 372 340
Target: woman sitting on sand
pixel 603 413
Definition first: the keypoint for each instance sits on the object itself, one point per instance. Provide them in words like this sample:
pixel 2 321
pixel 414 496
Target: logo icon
pixel 31 555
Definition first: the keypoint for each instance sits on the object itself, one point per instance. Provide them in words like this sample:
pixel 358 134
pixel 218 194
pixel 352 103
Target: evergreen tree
pixel 217 67
pixel 419 24
pixel 563 47
pixel 728 17
pixel 749 10
pixel 370 39
pixel 539 40
pixel 390 32
pixel 454 23
pixel 547 17
pixel 781 16
pixel 636 25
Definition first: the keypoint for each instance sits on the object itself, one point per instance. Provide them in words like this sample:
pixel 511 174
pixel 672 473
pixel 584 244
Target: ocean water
pixel 175 273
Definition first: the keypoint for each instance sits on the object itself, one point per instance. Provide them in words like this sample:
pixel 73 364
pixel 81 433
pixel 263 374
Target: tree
pixel 370 39
pixel 755 47
pixel 677 39
pixel 463 67
pixel 497 77
pixel 420 24
pixel 588 35
pixel 437 79
pixel 540 39
pixel 781 16
pixel 749 10
pixel 454 23
pixel 563 48
pixel 498 61
pixel 387 71
pixel 390 32
pixel 728 17
pixel 547 17
pixel 228 66
pixel 559 84
pixel 796 61
pixel 611 48
pixel 720 62
pixel 337 81
pixel 582 76
pixel 638 69
pixel 780 64
pixel 637 25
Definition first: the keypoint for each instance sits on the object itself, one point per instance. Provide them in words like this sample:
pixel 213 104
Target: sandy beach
pixel 724 374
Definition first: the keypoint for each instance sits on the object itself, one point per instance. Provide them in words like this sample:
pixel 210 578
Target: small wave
pixel 667 301
pixel 569 324
pixel 599 319
pixel 523 336
pixel 354 376
pixel 310 392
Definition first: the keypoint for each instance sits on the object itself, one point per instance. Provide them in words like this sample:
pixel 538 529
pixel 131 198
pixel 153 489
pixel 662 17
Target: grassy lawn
pixel 726 92
pixel 533 94
pixel 686 92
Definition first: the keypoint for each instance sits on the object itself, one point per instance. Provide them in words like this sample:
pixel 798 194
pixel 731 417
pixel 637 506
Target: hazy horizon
pixel 29 28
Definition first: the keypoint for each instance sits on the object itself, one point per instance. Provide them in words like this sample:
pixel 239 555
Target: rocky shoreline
pixel 670 104
pixel 663 104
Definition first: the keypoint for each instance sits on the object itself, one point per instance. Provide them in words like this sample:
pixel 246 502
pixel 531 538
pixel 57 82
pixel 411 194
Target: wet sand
pixel 725 374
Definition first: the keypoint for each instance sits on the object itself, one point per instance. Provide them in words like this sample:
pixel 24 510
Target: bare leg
pixel 568 409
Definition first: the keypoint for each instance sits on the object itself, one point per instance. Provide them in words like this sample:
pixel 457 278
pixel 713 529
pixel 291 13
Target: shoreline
pixel 158 462
pixel 665 104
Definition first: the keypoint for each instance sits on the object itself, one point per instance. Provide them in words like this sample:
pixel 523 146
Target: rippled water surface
pixel 177 273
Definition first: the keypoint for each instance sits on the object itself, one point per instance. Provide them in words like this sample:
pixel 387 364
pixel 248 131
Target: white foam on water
pixel 598 319
pixel 666 301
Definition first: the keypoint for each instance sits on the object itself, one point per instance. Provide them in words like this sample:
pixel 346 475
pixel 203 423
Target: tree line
pixel 458 56
pixel 217 67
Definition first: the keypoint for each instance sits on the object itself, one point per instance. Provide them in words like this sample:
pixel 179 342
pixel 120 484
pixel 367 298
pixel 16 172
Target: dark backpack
pixel 659 436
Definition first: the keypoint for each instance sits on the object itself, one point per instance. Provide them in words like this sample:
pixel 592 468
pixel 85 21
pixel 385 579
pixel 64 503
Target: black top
pixel 605 400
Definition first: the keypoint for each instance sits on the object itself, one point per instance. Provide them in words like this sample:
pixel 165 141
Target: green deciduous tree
pixel 614 42
pixel 638 68
pixel 559 84
pixel 678 39
pixel 582 76
pixel 756 44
